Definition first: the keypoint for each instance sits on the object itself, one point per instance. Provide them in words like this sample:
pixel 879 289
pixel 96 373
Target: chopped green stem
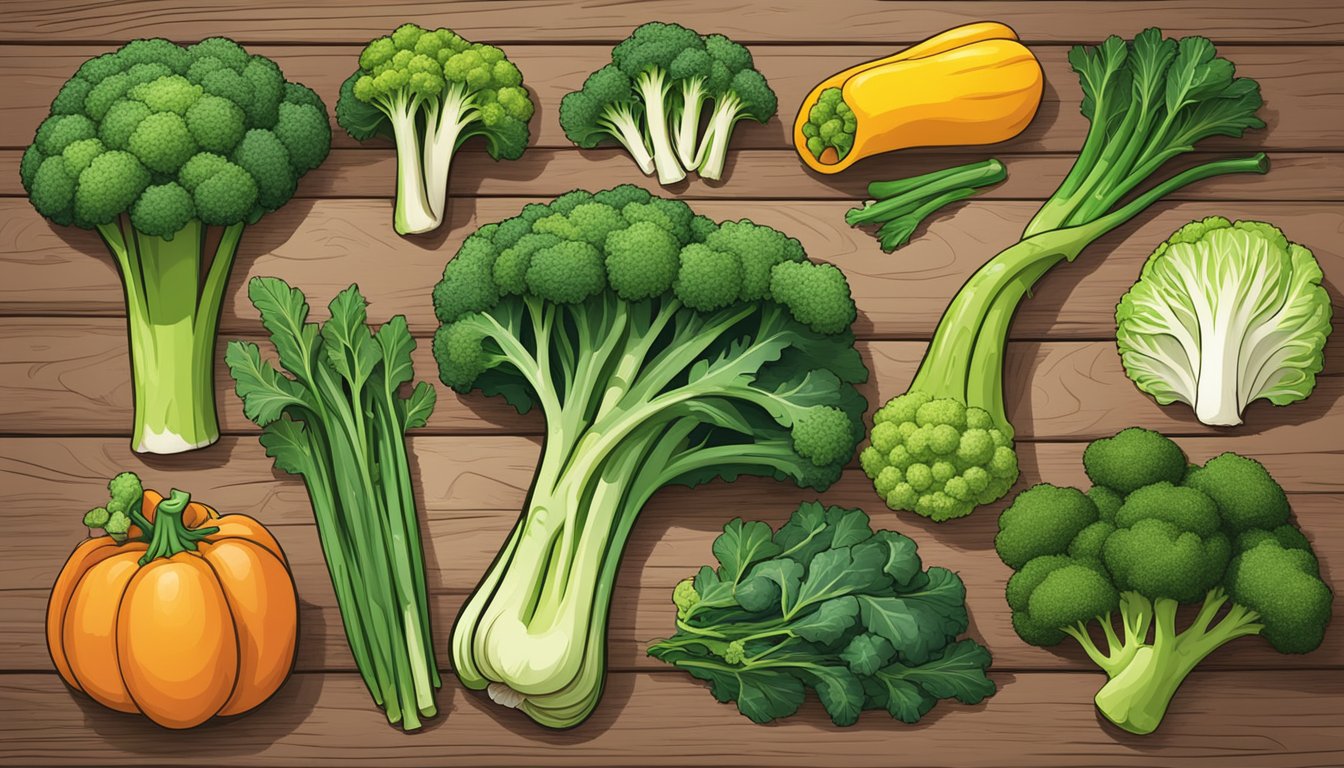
pixel 898 231
pixel 171 536
pixel 713 152
pixel 898 198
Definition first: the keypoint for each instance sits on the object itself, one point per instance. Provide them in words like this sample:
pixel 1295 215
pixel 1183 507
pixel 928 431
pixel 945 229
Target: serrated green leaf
pixel 838 572
pixel 265 392
pixel 284 312
pixel 395 344
pixel 350 348
pixel 867 653
pixel 805 534
pixel 904 700
pixel 901 555
pixel 414 411
pixel 286 441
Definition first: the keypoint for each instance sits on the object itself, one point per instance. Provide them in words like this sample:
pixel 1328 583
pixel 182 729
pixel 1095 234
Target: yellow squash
pixel 975 84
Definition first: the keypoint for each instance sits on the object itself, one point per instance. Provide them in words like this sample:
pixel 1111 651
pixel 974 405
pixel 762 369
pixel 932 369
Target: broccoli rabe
pixel 152 146
pixel 662 348
pixel 652 97
pixel 430 91
pixel 1155 533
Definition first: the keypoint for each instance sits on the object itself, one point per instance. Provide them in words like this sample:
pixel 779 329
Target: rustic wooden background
pixel 65 391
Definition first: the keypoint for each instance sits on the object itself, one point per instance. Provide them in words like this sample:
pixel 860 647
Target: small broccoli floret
pixel 1132 459
pixel 1147 552
pixel 149 145
pixel 651 97
pixel 96 517
pixel 430 91
pixel 830 127
pixel 662 348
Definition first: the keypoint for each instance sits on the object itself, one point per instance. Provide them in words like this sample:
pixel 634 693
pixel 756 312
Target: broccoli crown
pixel 937 456
pixel 170 134
pixel 1225 525
pixel 652 47
pixel 742 338
pixel 416 67
pixel 586 115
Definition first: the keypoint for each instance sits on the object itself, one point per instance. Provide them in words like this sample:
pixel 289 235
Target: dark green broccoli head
pixel 1134 458
pixel 586 114
pixel 733 313
pixel 1284 587
pixel 1054 592
pixel 127 130
pixel 1042 520
pixel 653 47
pixel 1244 491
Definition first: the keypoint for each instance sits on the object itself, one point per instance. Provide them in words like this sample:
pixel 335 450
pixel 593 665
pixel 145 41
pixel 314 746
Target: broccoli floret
pixel 430 91
pixel 150 145
pixel 1158 547
pixel 662 349
pixel 830 127
pixel 651 98
pixel 915 431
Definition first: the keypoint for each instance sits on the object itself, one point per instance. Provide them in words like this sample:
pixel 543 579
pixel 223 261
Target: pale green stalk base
pixel 172 317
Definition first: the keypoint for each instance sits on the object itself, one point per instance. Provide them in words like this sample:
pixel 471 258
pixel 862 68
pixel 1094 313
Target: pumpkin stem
pixel 170 535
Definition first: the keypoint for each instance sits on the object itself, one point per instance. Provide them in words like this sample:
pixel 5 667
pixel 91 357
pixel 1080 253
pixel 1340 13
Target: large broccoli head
pixel 168 135
pixel 760 333
pixel 1181 534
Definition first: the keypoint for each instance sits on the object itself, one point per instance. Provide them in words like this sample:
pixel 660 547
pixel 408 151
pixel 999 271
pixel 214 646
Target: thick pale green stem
pixel 412 213
pixel 713 153
pixel 443 134
pixel 687 118
pixel 654 88
pixel 621 123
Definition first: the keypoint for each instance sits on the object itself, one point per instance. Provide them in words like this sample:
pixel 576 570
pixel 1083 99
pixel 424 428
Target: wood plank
pixel 672 539
pixel 70 376
pixel 323 246
pixel 470 489
pixel 1304 105
pixel 764 174
pixel 1219 720
pixel 352 21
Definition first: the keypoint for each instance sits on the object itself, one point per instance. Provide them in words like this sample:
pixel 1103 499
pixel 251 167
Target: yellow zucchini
pixel 975 84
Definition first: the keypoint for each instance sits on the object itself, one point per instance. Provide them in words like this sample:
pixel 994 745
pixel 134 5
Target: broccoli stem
pixel 620 122
pixel 898 198
pixel 687 117
pixel 713 152
pixel 1137 697
pixel 964 360
pixel 444 123
pixel 412 213
pixel 172 318
pixel 654 89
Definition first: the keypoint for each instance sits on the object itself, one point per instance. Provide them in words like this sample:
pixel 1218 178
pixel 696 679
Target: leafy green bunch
pixel 825 603
pixel 339 421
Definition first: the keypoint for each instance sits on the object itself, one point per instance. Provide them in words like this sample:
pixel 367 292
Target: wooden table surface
pixel 65 394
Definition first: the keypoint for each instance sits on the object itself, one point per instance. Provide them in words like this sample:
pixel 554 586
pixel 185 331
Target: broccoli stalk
pixel 607 108
pixel 963 365
pixel 645 57
pixel 161 150
pixel 748 97
pixel 662 349
pixel 431 90
pixel 1151 535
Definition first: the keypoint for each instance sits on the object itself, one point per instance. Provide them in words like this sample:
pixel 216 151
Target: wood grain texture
pixel 323 246
pixel 852 21
pixel 764 174
pixel 65 375
pixel 1304 96
pixel 1224 719
pixel 668 544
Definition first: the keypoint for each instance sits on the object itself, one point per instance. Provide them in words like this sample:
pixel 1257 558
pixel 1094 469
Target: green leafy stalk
pixel 1148 101
pixel 339 421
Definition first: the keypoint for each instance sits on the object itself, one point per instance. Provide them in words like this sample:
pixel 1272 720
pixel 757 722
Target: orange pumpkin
pixel 195 620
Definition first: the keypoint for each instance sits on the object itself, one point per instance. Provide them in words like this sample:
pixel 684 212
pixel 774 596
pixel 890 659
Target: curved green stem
pixel 171 535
